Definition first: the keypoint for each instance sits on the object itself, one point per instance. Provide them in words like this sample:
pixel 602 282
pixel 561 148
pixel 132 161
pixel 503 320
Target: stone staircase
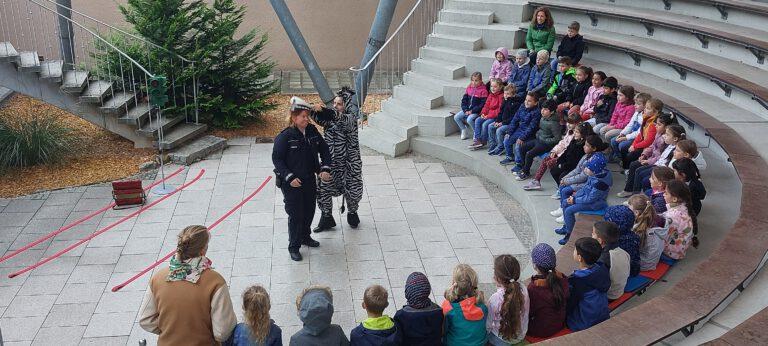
pixel 95 100
pixel 463 41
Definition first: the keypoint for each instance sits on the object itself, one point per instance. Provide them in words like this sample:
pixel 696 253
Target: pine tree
pixel 234 78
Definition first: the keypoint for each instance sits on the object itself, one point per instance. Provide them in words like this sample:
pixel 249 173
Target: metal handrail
pixel 373 58
pixel 97 36
pixel 121 31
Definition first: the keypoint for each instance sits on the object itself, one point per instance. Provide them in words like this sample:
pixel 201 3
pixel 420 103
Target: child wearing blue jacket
pixel 592 196
pixel 500 128
pixel 541 74
pixel 587 304
pixel 522 127
pixel 521 69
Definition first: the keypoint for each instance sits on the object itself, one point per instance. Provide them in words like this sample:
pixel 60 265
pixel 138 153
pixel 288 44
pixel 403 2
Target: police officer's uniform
pixel 295 156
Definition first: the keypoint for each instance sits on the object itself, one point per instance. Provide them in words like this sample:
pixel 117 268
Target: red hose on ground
pixel 107 228
pixel 79 221
pixel 216 223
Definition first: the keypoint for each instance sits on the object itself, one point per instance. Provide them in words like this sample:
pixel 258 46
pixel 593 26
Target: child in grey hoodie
pixel 315 305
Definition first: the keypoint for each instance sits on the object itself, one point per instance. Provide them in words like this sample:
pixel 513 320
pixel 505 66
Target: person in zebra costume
pixel 340 132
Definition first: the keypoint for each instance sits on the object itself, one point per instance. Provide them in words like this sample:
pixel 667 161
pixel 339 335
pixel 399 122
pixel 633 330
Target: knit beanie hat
pixel 597 163
pixel 611 82
pixel 417 290
pixel 622 216
pixel 523 53
pixel 543 257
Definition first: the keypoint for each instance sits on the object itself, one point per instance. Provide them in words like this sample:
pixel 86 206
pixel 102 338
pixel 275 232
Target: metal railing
pixel 123 59
pixel 394 57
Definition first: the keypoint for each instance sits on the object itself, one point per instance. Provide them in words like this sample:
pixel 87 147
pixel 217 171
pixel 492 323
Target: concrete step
pixel 136 116
pixel 431 122
pixel 383 141
pixel 422 99
pixel 96 91
pixel 466 16
pixel 479 60
pixel 455 42
pixel 8 52
pixel 74 81
pixel 180 134
pixel 438 68
pixel 385 121
pixel 493 35
pixel 150 128
pixel 118 103
pixel 504 11
pixel 452 90
pixel 52 69
pixel 29 61
pixel 197 150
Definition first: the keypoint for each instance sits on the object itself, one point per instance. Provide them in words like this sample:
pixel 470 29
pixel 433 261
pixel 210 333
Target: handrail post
pixel 384 13
pixel 66 40
pixel 302 49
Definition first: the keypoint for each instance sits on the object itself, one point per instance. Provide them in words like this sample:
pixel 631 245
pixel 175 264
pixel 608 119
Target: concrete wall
pixel 336 30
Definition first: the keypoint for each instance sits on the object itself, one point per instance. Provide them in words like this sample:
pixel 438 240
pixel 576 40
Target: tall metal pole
pixel 302 49
pixel 376 39
pixel 66 41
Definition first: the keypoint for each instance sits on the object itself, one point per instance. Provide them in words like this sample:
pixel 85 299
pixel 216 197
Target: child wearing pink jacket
pixel 622 114
pixel 501 67
pixel 587 109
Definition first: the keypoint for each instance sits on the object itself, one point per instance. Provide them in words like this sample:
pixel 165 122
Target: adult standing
pixel 188 303
pixel 340 132
pixel 296 165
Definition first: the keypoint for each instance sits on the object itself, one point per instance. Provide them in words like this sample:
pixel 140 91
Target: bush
pixel 38 140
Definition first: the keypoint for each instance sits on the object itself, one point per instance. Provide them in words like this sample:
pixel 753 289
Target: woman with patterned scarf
pixel 188 303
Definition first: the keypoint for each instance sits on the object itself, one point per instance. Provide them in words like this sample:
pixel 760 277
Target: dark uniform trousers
pixel 300 207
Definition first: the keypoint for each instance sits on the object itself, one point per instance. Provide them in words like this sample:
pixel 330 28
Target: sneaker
pixel 522 176
pixel 533 185
pixel 555 195
pixel 506 161
pixel 492 152
pixel 564 240
pixel 557 212
pixel 623 194
pixel 475 144
pixel 464 134
pixel 560 231
pixel 481 145
pixel 560 220
pixel 517 168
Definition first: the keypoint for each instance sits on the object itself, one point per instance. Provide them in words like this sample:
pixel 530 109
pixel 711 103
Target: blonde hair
pixel 192 240
pixel 376 299
pixel 312 288
pixel 646 215
pixel 543 53
pixel 256 307
pixel 464 284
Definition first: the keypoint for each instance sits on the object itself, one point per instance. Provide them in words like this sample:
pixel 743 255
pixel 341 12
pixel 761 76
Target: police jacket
pixel 295 154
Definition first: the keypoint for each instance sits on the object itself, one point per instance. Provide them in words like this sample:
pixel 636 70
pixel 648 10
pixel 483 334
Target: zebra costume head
pixel 347 94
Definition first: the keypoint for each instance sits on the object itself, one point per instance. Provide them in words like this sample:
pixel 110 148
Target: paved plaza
pixel 416 216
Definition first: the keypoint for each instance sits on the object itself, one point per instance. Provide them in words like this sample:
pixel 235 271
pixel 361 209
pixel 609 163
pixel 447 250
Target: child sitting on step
pixel 631 130
pixel 579 93
pixel 471 104
pixel 548 292
pixel 572 156
pixel 508 307
pixel 683 227
pixel 498 129
pixel 547 135
pixel 649 229
pixel 587 108
pixel 540 75
pixel 612 256
pixel 464 309
pixel 622 114
pixel 575 179
pixel 488 114
pixel 559 149
pixel 687 172
pixel 520 72
pixel 564 81
pixel 522 126
pixel 501 67
pixel 605 105
pixel 588 287
pixel 660 176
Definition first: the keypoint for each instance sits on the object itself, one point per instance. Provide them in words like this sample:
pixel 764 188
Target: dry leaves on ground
pixel 99 157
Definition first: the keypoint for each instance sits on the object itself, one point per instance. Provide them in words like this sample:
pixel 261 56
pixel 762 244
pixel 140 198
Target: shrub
pixel 33 141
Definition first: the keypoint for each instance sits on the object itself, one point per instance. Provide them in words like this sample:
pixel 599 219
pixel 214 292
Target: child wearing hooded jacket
pixel 498 129
pixel 522 127
pixel 464 309
pixel 501 67
pixel 471 104
pixel 521 69
pixel 591 196
pixel 378 329
pixel 420 322
pixel 315 305
pixel 588 287
pixel 488 114
pixel 540 75
pixel 548 134
pixel 629 241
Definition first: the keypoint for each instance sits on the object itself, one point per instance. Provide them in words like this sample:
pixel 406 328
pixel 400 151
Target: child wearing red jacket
pixel 647 133
pixel 488 114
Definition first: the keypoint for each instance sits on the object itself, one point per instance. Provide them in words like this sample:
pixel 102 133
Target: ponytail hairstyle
pixel 585 130
pixel 646 215
pixel 666 119
pixel 689 147
pixel 656 105
pixel 687 167
pixel 506 271
pixel 192 240
pixel 629 92
pixel 596 142
pixel 663 174
pixel 677 131
pixel 587 71
pixel 256 307
pixel 464 284
pixel 679 190
pixel 476 75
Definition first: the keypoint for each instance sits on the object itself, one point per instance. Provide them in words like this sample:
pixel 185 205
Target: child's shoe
pixel 522 176
pixel 560 231
pixel 555 195
pixel 564 240
pixel 506 161
pixel 533 185
pixel 474 144
pixel 517 168
pixel 623 194
pixel 479 146
pixel 464 134
pixel 560 220
pixel 557 212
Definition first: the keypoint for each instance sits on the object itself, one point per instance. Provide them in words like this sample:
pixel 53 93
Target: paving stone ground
pixel 417 215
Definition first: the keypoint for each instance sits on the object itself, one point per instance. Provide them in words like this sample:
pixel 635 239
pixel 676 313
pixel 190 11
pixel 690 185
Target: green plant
pixel 33 141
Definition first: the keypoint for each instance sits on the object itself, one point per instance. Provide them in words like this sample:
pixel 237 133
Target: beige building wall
pixel 336 30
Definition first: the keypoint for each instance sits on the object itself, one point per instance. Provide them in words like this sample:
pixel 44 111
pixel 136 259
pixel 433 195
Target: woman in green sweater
pixel 541 34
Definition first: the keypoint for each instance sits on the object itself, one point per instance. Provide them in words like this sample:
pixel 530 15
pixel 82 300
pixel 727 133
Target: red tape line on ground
pixel 107 228
pixel 79 221
pixel 216 223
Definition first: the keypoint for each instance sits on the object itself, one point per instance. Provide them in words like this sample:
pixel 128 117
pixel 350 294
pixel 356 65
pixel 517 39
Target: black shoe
pixel 311 242
pixel 353 220
pixel 326 222
pixel 296 256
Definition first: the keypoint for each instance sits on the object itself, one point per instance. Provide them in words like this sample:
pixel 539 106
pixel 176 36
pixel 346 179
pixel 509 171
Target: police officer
pixel 295 158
